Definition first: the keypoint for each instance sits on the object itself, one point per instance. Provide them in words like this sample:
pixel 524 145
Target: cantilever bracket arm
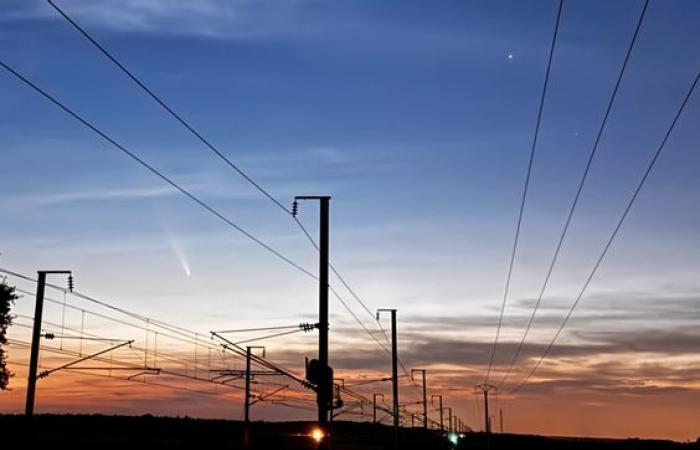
pixel 348 409
pixel 46 373
pixel 144 372
pixel 262 397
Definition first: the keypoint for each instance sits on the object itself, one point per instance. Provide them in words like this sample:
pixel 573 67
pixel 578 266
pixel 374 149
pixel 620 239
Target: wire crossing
pixel 525 189
pixel 146 364
pixel 574 204
pixel 169 109
pixel 153 170
pixel 614 234
pixel 179 118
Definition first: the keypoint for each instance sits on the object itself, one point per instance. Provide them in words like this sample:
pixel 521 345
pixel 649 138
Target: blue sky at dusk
pixel 417 117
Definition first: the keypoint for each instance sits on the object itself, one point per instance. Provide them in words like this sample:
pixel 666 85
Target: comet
pixel 176 246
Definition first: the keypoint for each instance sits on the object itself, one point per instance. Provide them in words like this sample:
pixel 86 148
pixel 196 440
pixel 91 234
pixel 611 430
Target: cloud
pixel 329 155
pixel 677 342
pixel 87 196
pixel 581 385
pixel 600 309
pixel 209 18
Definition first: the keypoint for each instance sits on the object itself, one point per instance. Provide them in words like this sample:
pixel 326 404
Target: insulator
pixel 49 336
pixel 70 283
pixel 295 208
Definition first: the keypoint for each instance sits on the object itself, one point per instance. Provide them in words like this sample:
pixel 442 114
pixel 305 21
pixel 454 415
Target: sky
pixel 418 119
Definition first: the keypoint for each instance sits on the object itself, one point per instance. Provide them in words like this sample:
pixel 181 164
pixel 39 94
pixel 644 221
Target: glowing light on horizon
pixel 453 437
pixel 317 434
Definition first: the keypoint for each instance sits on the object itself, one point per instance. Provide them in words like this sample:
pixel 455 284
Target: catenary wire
pixel 525 190
pixel 614 234
pixel 178 117
pixel 153 170
pixel 584 176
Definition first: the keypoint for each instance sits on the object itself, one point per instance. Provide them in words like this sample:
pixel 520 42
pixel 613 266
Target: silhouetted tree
pixel 7 299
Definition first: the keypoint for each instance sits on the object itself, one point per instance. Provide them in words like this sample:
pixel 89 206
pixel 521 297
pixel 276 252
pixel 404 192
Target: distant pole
pixel 486 412
pixel 487 425
pixel 439 397
pixel 246 409
pixel 425 397
pixel 486 388
pixel 246 415
pixel 325 385
pixel 36 334
pixel 394 374
pixel 449 420
pixel 374 406
pixel 500 413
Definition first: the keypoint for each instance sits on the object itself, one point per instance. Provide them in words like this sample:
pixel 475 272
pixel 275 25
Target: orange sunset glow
pixel 350 224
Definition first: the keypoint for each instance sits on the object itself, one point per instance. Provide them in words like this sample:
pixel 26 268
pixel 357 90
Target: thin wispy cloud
pixel 51 199
pixel 206 18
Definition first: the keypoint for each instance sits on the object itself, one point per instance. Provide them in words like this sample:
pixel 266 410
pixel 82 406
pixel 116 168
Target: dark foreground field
pixel 52 432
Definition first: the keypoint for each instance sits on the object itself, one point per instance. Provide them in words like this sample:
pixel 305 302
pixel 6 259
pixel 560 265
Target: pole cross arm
pixel 143 369
pixel 46 373
pixel 347 410
pixel 147 371
pixel 241 373
pixel 263 397
pixel 312 197
pixel 238 350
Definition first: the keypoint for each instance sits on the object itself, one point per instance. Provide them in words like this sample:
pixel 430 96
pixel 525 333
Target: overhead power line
pixel 614 234
pixel 232 347
pixel 160 355
pixel 169 109
pixel 525 189
pixel 125 366
pixel 153 170
pixel 179 118
pixel 235 349
pixel 178 333
pixel 584 176
pixel 246 330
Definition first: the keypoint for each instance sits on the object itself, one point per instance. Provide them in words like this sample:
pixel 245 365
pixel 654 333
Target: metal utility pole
pixel 486 388
pixel 425 397
pixel 449 419
pixel 500 413
pixel 36 334
pixel 374 406
pixel 246 415
pixel 325 385
pixel 394 374
pixel 439 397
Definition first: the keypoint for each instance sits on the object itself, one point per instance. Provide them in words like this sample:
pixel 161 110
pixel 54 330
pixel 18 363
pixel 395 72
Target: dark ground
pixel 97 432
